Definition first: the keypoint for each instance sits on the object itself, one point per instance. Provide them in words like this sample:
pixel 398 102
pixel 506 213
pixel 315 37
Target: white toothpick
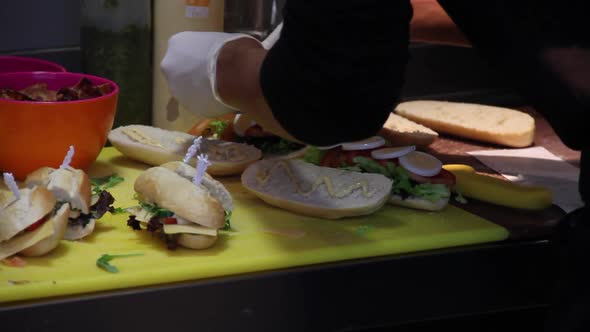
pixel 68 159
pixel 192 150
pixel 202 164
pixel 11 184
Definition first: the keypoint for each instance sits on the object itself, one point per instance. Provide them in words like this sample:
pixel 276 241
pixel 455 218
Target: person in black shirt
pixel 337 71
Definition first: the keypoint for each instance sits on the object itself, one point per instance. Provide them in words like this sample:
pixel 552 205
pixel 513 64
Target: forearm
pixel 238 76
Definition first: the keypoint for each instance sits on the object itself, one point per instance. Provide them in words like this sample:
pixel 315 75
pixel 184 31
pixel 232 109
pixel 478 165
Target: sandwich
pixel 32 222
pixel 177 210
pixel 419 181
pixel 237 128
pixel 73 188
pixel 316 191
pixel 156 146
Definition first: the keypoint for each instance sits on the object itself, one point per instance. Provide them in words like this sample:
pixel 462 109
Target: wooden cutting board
pixel 265 238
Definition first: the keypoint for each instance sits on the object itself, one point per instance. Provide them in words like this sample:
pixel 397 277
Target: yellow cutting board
pixel 265 238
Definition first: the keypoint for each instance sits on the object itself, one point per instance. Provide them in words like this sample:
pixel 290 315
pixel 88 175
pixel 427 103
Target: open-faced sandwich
pixel 32 221
pixel 73 187
pixel 419 181
pixel 181 205
pixel 155 146
pixel 316 191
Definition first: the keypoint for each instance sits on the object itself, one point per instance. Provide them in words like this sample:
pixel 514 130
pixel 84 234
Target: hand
pixel 190 68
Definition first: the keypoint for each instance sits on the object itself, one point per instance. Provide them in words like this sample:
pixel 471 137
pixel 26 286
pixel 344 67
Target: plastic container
pixel 116 40
pixel 12 64
pixel 171 17
pixel 37 134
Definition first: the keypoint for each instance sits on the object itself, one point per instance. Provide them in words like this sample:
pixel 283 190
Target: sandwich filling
pixel 406 184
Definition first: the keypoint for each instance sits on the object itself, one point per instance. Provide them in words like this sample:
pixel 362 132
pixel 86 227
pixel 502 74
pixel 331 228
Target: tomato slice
pixel 256 131
pixel 36 225
pixel 169 221
pixel 331 158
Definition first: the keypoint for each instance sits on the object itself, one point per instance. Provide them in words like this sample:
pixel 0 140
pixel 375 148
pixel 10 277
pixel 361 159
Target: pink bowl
pixel 37 134
pixel 12 64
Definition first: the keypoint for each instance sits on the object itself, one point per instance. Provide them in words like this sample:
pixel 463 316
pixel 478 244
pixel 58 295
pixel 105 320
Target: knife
pixel 493 190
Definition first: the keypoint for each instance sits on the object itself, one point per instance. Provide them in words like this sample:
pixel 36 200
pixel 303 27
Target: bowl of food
pixel 13 64
pixel 42 114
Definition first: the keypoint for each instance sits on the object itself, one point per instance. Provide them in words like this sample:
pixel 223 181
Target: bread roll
pixel 490 124
pixel 400 131
pixel 35 203
pixel 155 146
pixel 163 187
pixel 76 231
pixel 316 191
pixel 67 184
pixel 215 188
pixel 60 222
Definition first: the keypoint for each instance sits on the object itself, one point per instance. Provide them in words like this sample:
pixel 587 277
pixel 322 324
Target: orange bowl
pixel 37 134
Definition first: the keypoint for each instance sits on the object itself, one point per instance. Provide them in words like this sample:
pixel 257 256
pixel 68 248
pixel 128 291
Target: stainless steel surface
pixel 253 17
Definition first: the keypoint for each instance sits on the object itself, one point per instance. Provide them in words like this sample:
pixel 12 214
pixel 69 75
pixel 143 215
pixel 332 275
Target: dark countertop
pixel 347 295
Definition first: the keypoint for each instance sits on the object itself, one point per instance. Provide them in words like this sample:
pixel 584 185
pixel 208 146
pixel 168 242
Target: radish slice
pixel 391 153
pixel 366 144
pixel 240 126
pixel 327 147
pixel 421 163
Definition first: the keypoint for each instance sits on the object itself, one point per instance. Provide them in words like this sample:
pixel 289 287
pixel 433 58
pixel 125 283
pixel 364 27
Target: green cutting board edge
pixel 265 238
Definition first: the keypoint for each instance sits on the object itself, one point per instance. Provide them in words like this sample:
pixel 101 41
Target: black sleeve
pixel 515 35
pixel 337 70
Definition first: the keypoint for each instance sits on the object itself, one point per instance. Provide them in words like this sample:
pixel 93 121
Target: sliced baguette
pixel 155 146
pixel 400 131
pixel 484 123
pixel 289 184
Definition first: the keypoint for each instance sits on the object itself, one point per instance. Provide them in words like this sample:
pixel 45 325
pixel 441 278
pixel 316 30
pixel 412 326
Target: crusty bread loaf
pixel 400 131
pixel 491 124
pixel 67 184
pixel 168 190
pixel 155 146
pixel 33 205
pixel 59 221
pixel 302 188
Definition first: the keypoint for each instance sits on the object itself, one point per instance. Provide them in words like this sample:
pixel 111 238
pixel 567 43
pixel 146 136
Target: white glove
pixel 190 66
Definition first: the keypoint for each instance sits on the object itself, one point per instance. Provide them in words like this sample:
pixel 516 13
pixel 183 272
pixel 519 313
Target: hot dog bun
pixel 155 146
pixel 302 188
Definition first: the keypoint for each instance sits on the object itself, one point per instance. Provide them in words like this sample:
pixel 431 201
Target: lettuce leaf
pixel 314 155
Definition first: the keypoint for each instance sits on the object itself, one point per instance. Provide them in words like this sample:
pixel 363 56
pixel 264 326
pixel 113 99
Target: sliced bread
pixel 484 123
pixel 400 131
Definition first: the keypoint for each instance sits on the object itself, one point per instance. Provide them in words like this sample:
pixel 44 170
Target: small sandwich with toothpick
pixel 181 204
pixel 73 186
pixel 32 221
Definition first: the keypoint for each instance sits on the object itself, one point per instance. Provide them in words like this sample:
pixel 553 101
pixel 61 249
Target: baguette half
pixel 59 221
pixel 484 123
pixel 316 191
pixel 400 131
pixel 156 146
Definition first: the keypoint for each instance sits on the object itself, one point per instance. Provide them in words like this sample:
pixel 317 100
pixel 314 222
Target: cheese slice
pixel 25 240
pixel 189 229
